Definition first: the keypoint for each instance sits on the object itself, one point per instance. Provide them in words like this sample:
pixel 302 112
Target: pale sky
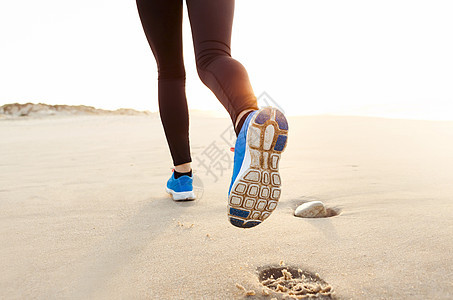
pixel 371 58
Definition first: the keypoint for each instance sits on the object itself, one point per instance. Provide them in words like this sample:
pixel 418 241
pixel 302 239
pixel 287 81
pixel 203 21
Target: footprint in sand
pixel 287 282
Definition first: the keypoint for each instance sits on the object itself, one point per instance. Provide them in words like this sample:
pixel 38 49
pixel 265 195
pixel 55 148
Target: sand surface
pixel 84 214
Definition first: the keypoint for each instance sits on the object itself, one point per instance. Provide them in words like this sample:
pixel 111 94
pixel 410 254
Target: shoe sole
pixel 181 196
pixel 256 190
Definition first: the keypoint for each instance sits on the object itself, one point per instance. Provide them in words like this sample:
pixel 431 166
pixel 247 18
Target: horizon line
pixel 224 114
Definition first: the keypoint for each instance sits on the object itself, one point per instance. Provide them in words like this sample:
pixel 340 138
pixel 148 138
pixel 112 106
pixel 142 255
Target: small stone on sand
pixel 312 209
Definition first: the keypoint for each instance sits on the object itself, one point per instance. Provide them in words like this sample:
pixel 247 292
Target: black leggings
pixel 211 22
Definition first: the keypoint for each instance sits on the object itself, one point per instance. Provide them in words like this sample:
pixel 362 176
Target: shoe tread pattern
pixel 255 194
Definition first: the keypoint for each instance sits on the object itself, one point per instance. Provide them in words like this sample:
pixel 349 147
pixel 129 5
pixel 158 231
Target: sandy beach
pixel 84 213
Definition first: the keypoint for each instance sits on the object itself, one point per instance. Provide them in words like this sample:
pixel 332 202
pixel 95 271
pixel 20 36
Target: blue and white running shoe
pixel 180 189
pixel 255 185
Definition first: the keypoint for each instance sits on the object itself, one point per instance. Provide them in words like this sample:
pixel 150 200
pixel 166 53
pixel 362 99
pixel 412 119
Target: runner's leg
pixel 211 23
pixel 162 23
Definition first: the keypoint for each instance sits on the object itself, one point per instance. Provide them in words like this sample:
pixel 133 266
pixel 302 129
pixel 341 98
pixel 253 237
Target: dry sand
pixel 83 212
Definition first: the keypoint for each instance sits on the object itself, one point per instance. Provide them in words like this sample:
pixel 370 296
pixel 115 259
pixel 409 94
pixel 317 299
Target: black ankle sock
pixel 241 122
pixel 177 174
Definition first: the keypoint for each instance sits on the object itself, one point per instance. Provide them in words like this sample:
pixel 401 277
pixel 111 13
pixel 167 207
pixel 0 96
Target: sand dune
pixel 15 110
pixel 84 214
